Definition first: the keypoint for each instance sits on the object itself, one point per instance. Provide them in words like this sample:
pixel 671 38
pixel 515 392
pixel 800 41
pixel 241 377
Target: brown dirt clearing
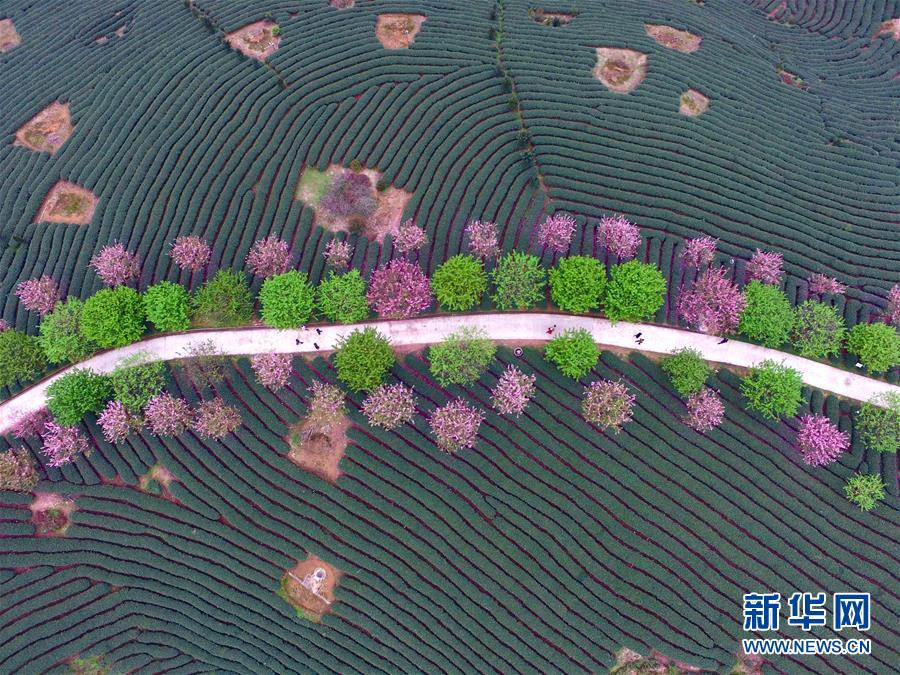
pixel 693 103
pixel 255 40
pixel 319 450
pixel 620 70
pixel 629 662
pixel 67 203
pixel 311 593
pixel 673 38
pixel 552 19
pixel 398 31
pixel 46 131
pixel 9 36
pixel 342 4
pixel 890 27
pixel 50 513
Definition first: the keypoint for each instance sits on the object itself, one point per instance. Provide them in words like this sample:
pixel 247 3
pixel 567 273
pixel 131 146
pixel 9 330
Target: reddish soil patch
pixel 9 36
pixel 890 27
pixel 102 40
pixel 792 79
pixel 398 31
pixel 46 131
pixel 255 40
pixel 309 587
pixel 554 19
pixel 50 514
pixel 629 662
pixel 67 203
pixel 319 450
pixel 156 481
pixel 693 103
pixel 121 30
pixel 673 38
pixel 342 4
pixel 620 70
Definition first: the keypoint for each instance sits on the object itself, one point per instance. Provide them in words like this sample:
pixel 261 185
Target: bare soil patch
pixel 319 449
pixel 398 31
pixel 673 38
pixel 67 203
pixel 46 131
pixel 890 27
pixel 629 662
pixel 50 514
pixel 255 40
pixel 620 70
pixel 342 4
pixel 309 587
pixel 553 19
pixel 9 36
pixel 382 214
pixel 156 481
pixel 693 103
pixel 792 79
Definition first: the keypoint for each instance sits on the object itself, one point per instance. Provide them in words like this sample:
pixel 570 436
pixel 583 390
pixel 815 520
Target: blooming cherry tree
pixel 190 253
pixel 513 392
pixel 63 444
pixel 410 237
pixel 326 405
pixel 699 252
pixel 765 266
pixel 389 406
pixel 619 236
pixel 556 232
pixel 17 470
pixel 216 419
pixel 607 404
pixel 894 305
pixel 399 290
pixel 820 441
pixel 483 238
pixel 117 423
pixel 31 425
pixel 820 284
pixel 39 295
pixel 167 415
pixel 115 265
pixel 455 426
pixel 705 410
pixel 269 256
pixel 338 253
pixel 714 304
pixel 273 371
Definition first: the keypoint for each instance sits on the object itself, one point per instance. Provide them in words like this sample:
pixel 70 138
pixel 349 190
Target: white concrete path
pixel 510 326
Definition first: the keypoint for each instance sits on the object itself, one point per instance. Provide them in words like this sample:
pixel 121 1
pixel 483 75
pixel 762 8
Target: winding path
pixel 506 326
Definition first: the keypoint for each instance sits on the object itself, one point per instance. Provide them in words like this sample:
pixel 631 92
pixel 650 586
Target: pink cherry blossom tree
pixel 699 252
pixel 63 444
pixel 399 290
pixel 269 256
pixel 713 305
pixel 820 284
pixel 765 266
pixel 410 237
pixel 705 410
pixel 216 419
pixel 820 442
pixel 117 423
pixel 455 426
pixel 190 253
pixel 389 406
pixel 619 236
pixel 326 406
pixel 31 425
pixel 607 404
pixel 513 391
pixel 18 472
pixel 4 325
pixel 39 295
pixel 893 315
pixel 556 232
pixel 115 265
pixel 167 415
pixel 338 253
pixel 273 371
pixel 483 238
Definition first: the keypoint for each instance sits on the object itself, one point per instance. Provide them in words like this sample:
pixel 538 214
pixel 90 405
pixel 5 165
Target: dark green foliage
pixel 363 358
pixel 574 352
pixel 768 316
pixel 865 490
pixel 60 333
pixel 635 291
pixel 818 330
pixel 519 281
pixel 461 357
pixel 459 283
pixel 168 307
pixel 577 284
pixel 135 381
pixel 876 344
pixel 21 357
pixel 77 393
pixel 687 370
pixel 113 317
pixel 224 300
pixel 342 297
pixel 287 300
pixel 773 389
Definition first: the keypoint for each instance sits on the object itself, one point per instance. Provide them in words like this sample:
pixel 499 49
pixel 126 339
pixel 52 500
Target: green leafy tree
pixel 342 297
pixel 519 281
pixel 77 393
pixel 113 317
pixel 574 352
pixel 577 284
pixel 224 300
pixel 60 333
pixel 818 330
pixel 876 344
pixel 461 357
pixel 773 389
pixel 287 300
pixel 168 307
pixel 363 358
pixel 635 291
pixel 879 422
pixel 687 370
pixel 21 357
pixel 136 380
pixel 865 490
pixel 768 316
pixel 459 283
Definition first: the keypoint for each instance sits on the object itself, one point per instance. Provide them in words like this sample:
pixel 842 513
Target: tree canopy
pixel 459 283
pixel 287 300
pixel 577 284
pixel 461 357
pixel 574 352
pixel 635 291
pixel 363 358
pixel 113 317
